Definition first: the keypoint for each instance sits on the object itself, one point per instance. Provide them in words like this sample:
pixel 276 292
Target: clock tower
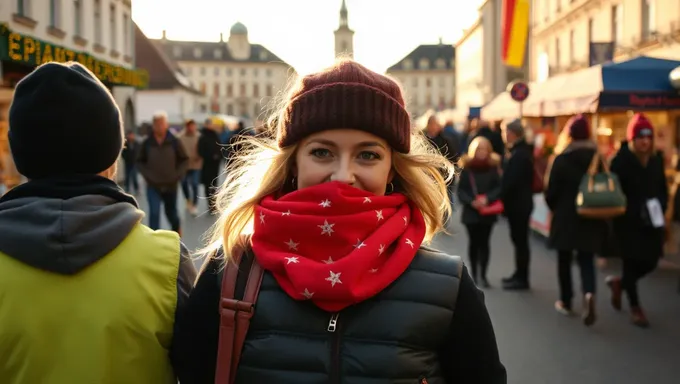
pixel 344 37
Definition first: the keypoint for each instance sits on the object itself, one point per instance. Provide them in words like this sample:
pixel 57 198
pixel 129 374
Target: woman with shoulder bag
pixel 479 191
pixel 573 235
pixel 341 204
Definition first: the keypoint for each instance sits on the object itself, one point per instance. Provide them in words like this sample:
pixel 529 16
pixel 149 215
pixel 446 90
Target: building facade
pixel 563 30
pixel 234 76
pixel 480 72
pixel 344 36
pixel 96 33
pixel 428 77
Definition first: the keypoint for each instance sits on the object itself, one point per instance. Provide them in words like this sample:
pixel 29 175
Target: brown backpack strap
pixel 235 317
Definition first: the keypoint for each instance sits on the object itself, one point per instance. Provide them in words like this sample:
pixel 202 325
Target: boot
pixel 614 284
pixel 638 317
pixel 562 308
pixel 589 315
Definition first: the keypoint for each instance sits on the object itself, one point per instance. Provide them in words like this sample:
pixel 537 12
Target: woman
pixel 643 181
pixel 479 186
pixel 341 204
pixel 571 234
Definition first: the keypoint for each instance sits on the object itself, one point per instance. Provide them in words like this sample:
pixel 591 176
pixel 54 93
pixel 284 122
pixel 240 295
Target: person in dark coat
pixel 641 242
pixel 518 199
pixel 235 144
pixel 479 186
pixel 494 137
pixel 210 150
pixel 129 155
pixel 570 233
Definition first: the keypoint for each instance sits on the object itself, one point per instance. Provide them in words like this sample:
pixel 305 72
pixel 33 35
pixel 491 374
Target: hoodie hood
pixel 65 235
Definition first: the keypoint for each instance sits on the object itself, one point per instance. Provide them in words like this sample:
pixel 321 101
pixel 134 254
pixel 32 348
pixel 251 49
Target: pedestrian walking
pixel 163 163
pixel 518 199
pixel 571 234
pixel 189 137
pixel 479 190
pixel 129 155
pixel 340 213
pixel 640 231
pixel 89 294
pixel 210 150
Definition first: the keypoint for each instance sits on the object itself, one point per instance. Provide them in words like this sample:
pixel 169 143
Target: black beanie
pixel 63 121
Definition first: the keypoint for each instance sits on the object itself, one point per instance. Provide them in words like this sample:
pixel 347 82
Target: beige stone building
pixel 235 76
pixel 428 77
pixel 563 29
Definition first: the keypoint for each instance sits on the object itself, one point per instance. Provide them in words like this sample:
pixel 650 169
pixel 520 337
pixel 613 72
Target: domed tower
pixel 238 43
pixel 344 37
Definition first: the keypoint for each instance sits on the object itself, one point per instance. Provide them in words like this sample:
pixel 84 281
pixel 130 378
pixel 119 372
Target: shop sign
pixel 640 101
pixel 31 51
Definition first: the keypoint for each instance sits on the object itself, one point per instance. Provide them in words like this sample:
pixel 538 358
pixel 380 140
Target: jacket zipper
pixel 333 328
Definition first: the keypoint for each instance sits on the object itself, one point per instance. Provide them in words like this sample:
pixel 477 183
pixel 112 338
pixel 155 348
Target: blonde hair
pixel 261 168
pixel 475 143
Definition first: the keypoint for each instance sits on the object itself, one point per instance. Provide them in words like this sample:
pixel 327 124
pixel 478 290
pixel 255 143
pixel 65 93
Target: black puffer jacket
pixel 637 239
pixel 518 176
pixel 408 333
pixel 568 230
pixel 479 179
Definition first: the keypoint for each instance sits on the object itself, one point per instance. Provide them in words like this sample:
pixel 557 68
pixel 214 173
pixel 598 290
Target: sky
pixel 301 31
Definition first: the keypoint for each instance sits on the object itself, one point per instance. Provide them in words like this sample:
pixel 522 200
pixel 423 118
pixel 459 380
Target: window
pixel 243 71
pixel 269 90
pixel 203 87
pixel 218 54
pixel 216 89
pixel 24 7
pixel 229 71
pixel 202 71
pixel 126 34
pixel 428 82
pixel 97 22
pixel 78 17
pixel 617 24
pixel 256 72
pixel 414 82
pixel 571 46
pixel 441 64
pixel 648 19
pixel 591 30
pixel 408 64
pixel 187 71
pixel 230 90
pixel 256 90
pixel 112 27
pixel 242 90
pixel 55 13
pixel 256 110
pixel 204 108
pixel 198 53
pixel 216 71
pixel 230 109
pixel 424 64
pixel 269 73
pixel 558 59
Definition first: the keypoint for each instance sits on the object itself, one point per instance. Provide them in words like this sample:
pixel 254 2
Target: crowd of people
pixel 314 271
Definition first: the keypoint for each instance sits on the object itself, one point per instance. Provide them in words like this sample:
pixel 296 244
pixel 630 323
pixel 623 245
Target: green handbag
pixel 600 195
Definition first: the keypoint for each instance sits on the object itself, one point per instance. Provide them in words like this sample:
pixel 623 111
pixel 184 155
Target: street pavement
pixel 539 346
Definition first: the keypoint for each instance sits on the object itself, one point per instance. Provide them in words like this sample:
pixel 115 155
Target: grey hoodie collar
pixel 64 235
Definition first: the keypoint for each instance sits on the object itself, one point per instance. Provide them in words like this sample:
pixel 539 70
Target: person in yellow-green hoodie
pixel 88 294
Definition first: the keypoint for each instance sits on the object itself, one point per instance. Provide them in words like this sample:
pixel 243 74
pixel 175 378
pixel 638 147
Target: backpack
pixel 237 307
pixel 600 195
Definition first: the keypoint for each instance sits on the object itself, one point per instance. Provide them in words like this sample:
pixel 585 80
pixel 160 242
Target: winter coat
pixel 479 179
pixel 568 230
pixel 210 150
pixel 518 176
pixel 636 237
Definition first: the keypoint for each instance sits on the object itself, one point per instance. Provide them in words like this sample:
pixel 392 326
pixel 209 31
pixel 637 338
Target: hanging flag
pixel 514 29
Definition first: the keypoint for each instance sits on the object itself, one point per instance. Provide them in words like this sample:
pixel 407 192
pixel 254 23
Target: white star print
pixel 329 261
pixel 379 214
pixel 405 220
pixel 261 218
pixel 307 294
pixel 381 249
pixel 287 213
pixel 292 245
pixel 293 260
pixel 374 270
pixel 334 278
pixel 359 244
pixel 326 228
pixel 367 199
pixel 326 203
pixel 409 242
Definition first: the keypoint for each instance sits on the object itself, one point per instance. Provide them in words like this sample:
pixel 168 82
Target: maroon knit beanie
pixel 579 128
pixel 347 95
pixel 639 126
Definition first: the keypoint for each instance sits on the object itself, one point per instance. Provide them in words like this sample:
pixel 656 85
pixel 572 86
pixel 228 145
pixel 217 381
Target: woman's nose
pixel 344 174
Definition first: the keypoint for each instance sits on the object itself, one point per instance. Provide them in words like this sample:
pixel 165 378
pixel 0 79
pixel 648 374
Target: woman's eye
pixel 320 152
pixel 369 156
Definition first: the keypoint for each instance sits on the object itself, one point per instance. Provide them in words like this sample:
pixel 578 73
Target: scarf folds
pixel 334 244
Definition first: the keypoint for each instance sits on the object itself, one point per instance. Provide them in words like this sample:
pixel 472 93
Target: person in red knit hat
pixel 640 231
pixel 339 203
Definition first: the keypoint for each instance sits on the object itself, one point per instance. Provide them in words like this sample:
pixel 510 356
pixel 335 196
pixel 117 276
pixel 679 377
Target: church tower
pixel 344 37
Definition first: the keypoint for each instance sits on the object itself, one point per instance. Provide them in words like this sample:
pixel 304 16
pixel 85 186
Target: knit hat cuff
pixel 347 105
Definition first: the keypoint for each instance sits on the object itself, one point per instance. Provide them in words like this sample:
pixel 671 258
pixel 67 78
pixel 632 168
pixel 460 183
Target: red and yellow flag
pixel 514 29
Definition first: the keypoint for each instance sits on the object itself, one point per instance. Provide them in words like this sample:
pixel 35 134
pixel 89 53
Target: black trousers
pixel 586 264
pixel 479 248
pixel 519 234
pixel 633 271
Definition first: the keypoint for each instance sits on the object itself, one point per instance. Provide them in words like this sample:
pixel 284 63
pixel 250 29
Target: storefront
pixel 20 54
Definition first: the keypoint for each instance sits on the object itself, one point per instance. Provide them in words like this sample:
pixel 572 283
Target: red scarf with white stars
pixel 334 244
